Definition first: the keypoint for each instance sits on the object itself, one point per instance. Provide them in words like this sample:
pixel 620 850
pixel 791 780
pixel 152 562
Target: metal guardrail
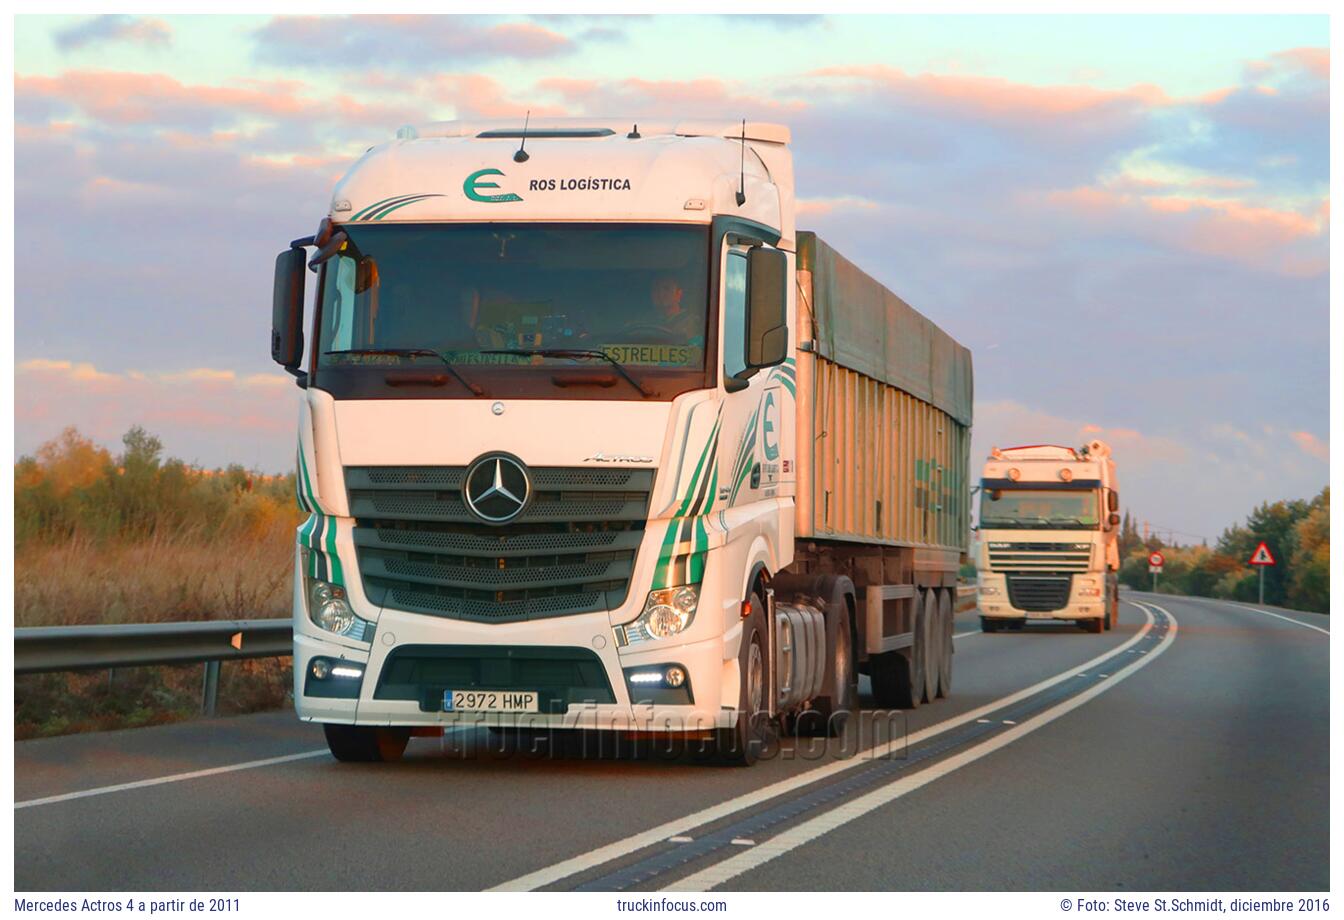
pixel 47 649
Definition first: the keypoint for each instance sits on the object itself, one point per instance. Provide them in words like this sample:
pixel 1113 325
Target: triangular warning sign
pixel 1262 555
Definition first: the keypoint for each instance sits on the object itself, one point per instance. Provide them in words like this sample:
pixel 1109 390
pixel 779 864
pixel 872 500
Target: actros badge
pixel 497 488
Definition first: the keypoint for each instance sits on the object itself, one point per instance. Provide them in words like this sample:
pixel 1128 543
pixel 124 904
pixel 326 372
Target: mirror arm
pixel 302 242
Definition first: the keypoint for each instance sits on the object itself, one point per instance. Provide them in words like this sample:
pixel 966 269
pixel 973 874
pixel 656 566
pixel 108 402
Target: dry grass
pixel 83 581
pixel 134 538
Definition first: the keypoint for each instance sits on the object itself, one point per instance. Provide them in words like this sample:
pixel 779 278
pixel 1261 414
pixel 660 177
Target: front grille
pixel 572 550
pixel 1039 557
pixel 1039 593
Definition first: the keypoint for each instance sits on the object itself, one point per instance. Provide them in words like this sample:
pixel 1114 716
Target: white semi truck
pixel 591 437
pixel 1048 537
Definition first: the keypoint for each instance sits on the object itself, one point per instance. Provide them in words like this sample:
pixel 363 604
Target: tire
pixel 1094 625
pixel 988 625
pixel 898 677
pixel 827 715
pixel 364 744
pixel 931 632
pixel 743 744
pixel 945 617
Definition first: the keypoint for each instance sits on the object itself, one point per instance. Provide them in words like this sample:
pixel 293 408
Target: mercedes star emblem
pixel 497 488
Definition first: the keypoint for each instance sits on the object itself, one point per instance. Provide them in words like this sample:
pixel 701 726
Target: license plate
pixel 1033 615
pixel 490 701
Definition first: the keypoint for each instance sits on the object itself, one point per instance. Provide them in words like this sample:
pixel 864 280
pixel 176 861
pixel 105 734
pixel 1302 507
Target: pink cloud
pixel 669 98
pixel 995 97
pixel 249 416
pixel 126 98
pixel 1311 445
pixel 1226 228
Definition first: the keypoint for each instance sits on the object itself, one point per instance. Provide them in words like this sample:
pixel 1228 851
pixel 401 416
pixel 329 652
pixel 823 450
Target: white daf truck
pixel 1048 529
pixel 591 437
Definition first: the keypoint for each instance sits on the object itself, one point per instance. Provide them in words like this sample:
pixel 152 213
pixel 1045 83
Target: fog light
pixel 320 669
pixel 675 676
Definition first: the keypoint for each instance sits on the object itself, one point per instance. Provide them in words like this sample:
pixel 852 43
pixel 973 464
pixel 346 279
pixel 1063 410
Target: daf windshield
pixel 1039 509
pixel 494 300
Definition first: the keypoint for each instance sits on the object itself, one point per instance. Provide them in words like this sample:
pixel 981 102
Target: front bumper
pixel 630 710
pixel 1086 600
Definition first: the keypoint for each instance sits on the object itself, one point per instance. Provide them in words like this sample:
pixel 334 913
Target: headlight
pixel 667 612
pixel 988 589
pixel 329 608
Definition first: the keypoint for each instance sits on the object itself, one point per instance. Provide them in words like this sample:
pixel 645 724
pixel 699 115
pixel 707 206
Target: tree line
pixel 1297 532
pixel 71 488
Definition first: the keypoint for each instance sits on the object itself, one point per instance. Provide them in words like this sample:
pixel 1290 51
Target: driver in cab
pixel 669 316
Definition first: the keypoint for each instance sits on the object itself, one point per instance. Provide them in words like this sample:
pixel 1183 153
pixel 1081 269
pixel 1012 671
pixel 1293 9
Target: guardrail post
pixel 210 690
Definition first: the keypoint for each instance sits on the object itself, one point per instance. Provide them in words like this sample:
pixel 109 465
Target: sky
pixel 1126 219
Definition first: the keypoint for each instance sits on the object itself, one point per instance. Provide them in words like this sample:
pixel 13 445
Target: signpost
pixel 1155 560
pixel 1260 558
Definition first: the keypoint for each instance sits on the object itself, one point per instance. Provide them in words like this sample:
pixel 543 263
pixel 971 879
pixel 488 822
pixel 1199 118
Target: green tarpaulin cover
pixel 865 327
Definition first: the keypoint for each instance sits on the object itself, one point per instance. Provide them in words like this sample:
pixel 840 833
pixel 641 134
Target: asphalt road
pixel 1161 756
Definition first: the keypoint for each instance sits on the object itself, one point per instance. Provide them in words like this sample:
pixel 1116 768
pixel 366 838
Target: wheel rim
pixel 842 665
pixel 755 678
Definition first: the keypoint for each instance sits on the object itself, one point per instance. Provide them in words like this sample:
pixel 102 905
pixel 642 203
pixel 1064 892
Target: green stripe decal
pixel 337 575
pixel 667 556
pixel 401 204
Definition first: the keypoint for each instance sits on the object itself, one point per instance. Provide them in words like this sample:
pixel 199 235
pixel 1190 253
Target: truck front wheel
pixel 743 744
pixel 364 744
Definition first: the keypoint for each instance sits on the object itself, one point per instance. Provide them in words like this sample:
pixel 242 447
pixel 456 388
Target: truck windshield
pixel 1039 509
pixel 498 297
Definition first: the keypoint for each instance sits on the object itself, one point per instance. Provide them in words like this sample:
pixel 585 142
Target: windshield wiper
pixel 572 353
pixel 413 353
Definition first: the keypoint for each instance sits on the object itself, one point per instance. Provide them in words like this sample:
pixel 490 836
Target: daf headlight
pixel 667 612
pixel 329 608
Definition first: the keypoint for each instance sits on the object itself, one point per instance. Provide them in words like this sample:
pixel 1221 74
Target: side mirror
pixel 1112 500
pixel 287 311
pixel 767 338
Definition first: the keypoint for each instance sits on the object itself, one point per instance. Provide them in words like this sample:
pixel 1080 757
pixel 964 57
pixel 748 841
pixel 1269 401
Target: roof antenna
pixel 742 187
pixel 521 156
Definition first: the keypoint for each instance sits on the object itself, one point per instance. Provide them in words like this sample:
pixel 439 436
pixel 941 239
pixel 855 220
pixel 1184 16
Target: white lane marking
pixel 1277 616
pixel 549 875
pixel 809 830
pixel 174 778
pixel 680 839
pixel 969 632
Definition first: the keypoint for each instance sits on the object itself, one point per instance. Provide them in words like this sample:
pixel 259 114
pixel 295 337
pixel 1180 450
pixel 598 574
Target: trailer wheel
pixel 931 632
pixel 898 677
pixel 743 744
pixel 828 715
pixel 364 744
pixel 945 617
